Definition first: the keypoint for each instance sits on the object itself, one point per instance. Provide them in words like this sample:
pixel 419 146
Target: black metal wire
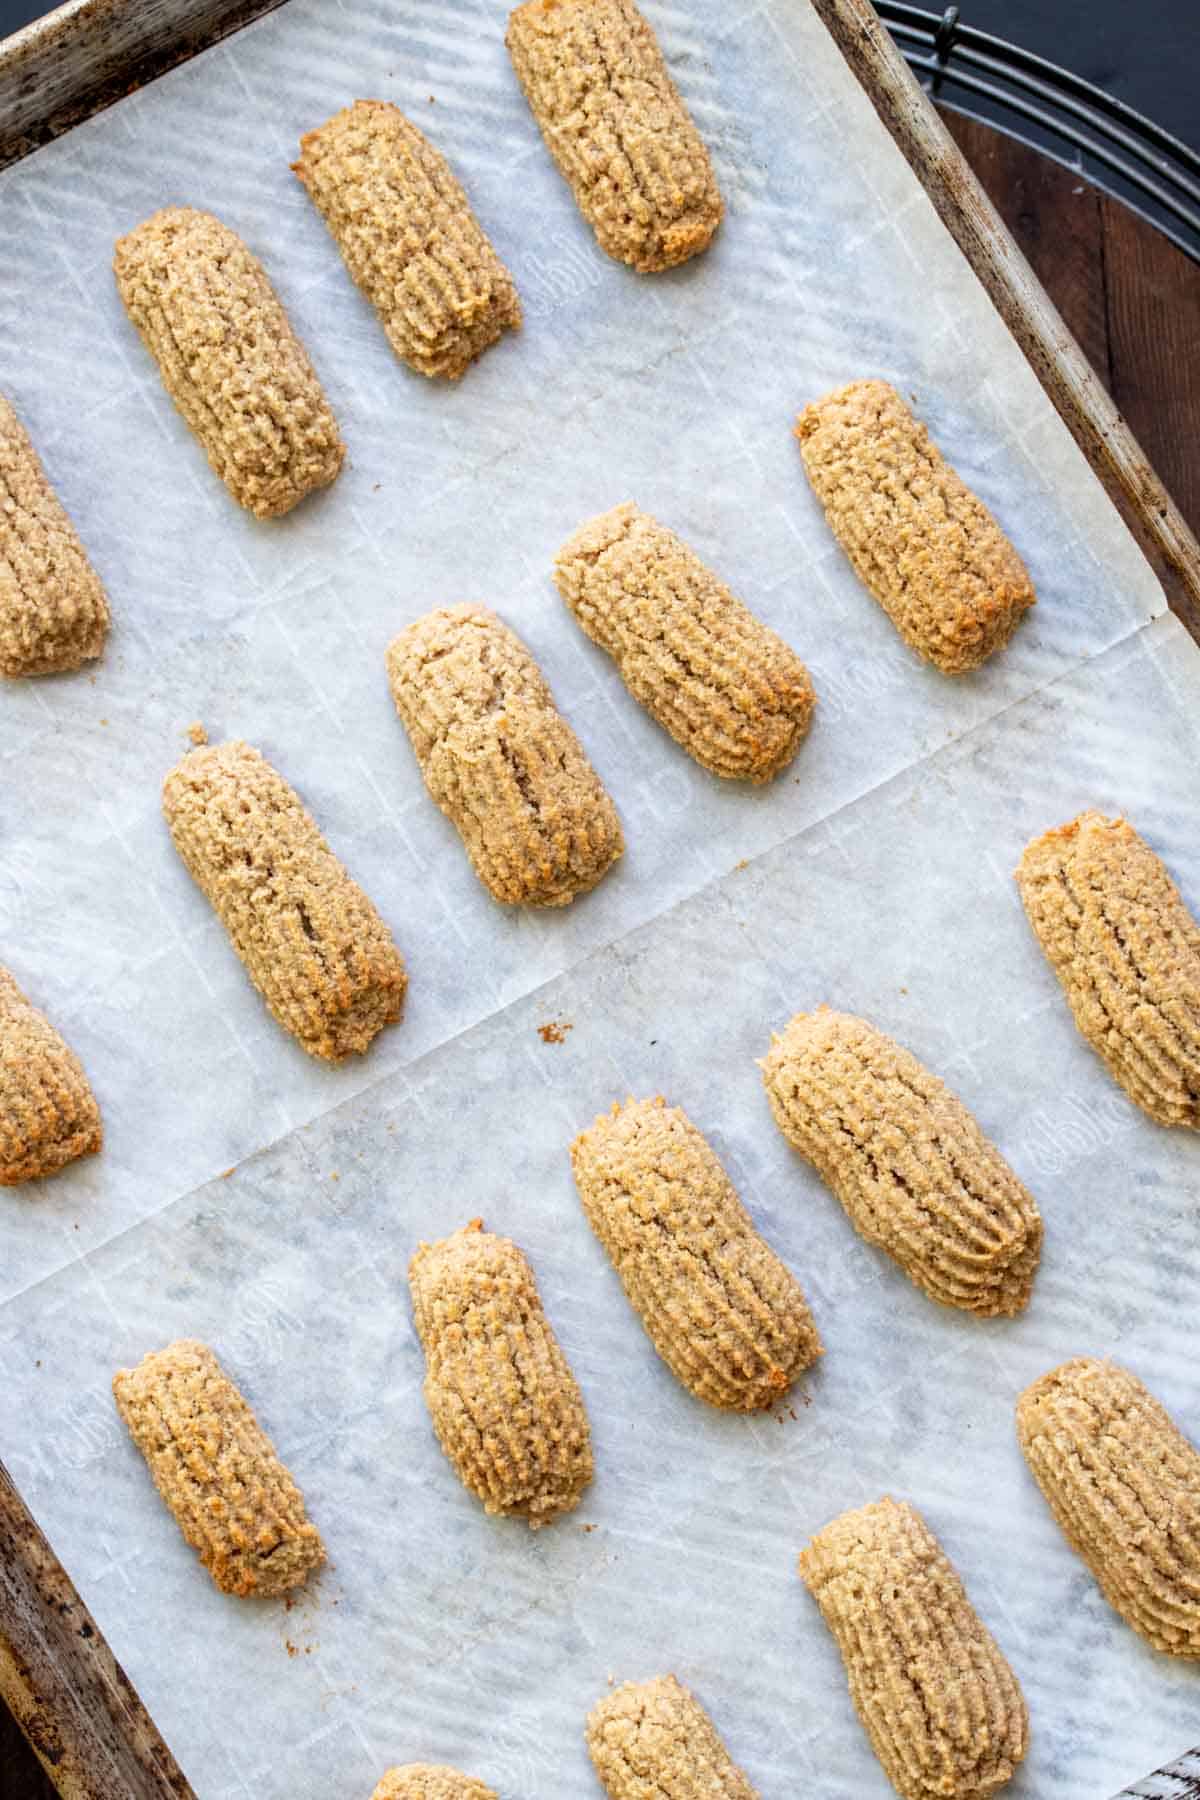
pixel 1080 125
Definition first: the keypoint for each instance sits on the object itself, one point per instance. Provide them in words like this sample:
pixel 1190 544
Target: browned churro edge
pixel 727 688
pixel 906 1159
pixel 309 938
pixel 923 544
pixel 206 311
pixel 500 760
pixel 653 1738
pixel 725 1314
pixel 48 1113
pixel 216 1468
pixel 504 1404
pixel 53 609
pixel 429 1781
pixel 614 122
pixel 943 1710
pixel 1123 1484
pixel 408 236
pixel 1126 950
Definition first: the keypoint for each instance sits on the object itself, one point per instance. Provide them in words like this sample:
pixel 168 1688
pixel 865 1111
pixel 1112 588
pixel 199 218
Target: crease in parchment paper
pixel 1167 632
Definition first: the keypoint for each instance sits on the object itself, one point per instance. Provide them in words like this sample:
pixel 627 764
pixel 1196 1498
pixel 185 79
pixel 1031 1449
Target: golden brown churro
pixel 310 940
pixel 500 760
pixel 721 682
pixel 1126 949
pixel 724 1313
pixel 615 124
pixel 408 236
pixel 207 313
pixel 53 608
pixel 652 1740
pixel 48 1113
pixel 907 1161
pixel 1124 1485
pixel 926 546
pixel 943 1710
pixel 425 1781
pixel 217 1470
pixel 505 1406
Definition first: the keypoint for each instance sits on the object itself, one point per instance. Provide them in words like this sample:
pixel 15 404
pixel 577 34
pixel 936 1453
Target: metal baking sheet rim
pixel 84 55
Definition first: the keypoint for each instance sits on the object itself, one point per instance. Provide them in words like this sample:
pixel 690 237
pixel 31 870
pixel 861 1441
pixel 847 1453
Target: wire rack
pixel 1078 124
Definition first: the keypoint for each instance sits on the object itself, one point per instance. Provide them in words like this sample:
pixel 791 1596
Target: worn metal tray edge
pixel 78 59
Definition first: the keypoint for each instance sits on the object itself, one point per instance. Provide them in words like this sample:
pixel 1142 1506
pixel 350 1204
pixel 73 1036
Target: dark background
pixel 1146 52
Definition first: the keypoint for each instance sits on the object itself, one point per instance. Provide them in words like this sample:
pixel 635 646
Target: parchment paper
pixel 875 875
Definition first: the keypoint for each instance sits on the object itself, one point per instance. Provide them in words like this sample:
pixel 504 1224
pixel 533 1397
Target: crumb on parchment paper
pixel 197 733
pixel 554 1031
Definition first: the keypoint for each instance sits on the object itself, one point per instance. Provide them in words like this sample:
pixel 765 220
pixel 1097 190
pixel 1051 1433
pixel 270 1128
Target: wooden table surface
pixel 1133 302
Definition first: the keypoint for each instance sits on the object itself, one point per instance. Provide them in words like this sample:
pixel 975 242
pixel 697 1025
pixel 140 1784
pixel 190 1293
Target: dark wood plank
pixel 1056 219
pixel 1154 346
pixel 21 1775
pixel 1129 297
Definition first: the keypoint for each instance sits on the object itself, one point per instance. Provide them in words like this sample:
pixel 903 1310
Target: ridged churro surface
pixel 48 1113
pixel 1116 932
pixel 310 939
pixel 615 124
pixel 217 1470
pixel 53 608
pixel 927 548
pixel 721 682
pixel 499 758
pixel 408 236
pixel 207 313
pixel 907 1161
pixel 724 1313
pixel 1124 1485
pixel 427 1781
pixel 652 1740
pixel 939 1702
pixel 504 1404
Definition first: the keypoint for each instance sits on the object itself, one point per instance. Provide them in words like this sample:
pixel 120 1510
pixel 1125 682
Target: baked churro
pixel 206 311
pixel 614 122
pixel 721 682
pixel 408 236
pixel 925 546
pixel 500 760
pixel 1126 950
pixel 310 939
pixel 217 1470
pixel 727 1317
pixel 505 1406
pixel 906 1159
pixel 53 608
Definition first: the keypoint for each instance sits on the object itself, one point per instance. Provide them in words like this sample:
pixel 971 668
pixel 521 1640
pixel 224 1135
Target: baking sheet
pixel 875 874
